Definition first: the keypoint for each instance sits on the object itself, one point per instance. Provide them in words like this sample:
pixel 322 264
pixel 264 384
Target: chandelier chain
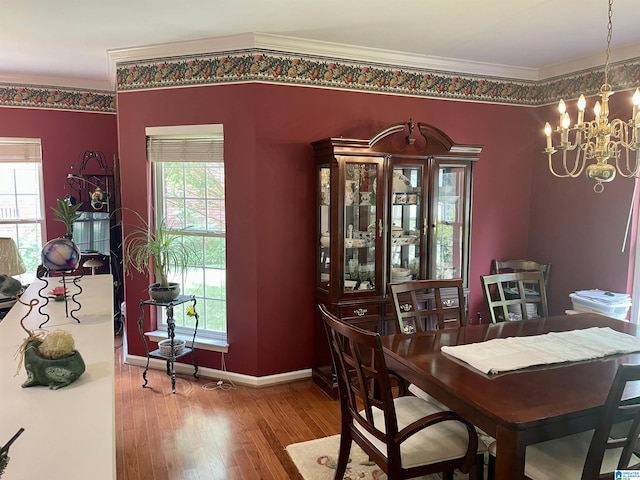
pixel 609 35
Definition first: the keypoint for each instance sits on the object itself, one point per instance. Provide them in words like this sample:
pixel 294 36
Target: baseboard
pixel 205 372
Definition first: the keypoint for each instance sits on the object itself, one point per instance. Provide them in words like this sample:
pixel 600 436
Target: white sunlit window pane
pixel 196 218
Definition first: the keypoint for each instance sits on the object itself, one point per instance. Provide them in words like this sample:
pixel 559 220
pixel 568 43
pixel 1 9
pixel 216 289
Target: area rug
pixel 317 460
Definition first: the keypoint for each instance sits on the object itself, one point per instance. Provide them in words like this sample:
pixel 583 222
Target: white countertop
pixel 70 432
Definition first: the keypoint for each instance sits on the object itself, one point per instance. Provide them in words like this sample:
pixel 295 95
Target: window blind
pixel 185 149
pixel 15 150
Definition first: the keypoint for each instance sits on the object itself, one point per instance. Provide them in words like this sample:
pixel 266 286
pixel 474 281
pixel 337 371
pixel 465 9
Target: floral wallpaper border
pixel 264 66
pixel 277 67
pixel 57 98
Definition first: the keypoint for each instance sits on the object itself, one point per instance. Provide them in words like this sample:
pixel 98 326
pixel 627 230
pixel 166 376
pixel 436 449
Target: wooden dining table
pixel 520 407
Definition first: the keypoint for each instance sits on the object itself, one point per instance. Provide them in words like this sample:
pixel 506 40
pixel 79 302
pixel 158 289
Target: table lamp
pixel 10 260
pixel 10 264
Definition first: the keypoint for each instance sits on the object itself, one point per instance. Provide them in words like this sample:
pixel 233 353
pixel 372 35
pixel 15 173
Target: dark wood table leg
pixel 510 451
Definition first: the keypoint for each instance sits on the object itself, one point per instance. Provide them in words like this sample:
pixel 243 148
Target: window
pixel 188 175
pixel 91 232
pixel 21 207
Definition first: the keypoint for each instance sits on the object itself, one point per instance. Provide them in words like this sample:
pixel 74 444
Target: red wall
pixel 64 136
pixel 270 196
pixel 520 210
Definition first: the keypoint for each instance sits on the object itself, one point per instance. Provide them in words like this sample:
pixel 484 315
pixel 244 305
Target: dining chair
pixel 596 454
pixel 515 296
pixel 520 265
pixel 429 304
pixel 404 435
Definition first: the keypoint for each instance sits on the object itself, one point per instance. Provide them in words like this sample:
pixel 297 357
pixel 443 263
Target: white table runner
pixel 513 353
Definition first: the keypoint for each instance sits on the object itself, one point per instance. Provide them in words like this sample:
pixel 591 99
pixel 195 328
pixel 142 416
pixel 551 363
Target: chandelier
pixel 600 139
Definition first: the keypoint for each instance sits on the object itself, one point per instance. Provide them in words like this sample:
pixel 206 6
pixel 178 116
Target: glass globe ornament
pixel 61 255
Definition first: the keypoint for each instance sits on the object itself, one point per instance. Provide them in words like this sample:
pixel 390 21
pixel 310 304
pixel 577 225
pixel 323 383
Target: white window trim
pixel 201 343
pixel 206 340
pixel 28 150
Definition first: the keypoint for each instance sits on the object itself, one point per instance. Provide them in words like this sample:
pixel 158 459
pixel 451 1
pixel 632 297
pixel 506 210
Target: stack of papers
pixel 603 296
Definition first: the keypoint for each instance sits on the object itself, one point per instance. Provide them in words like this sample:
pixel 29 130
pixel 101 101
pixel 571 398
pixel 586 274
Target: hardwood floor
pixel 200 434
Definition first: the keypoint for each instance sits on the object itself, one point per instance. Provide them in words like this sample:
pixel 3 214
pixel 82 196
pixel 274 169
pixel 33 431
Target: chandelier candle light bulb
pixel 582 104
pixel 636 102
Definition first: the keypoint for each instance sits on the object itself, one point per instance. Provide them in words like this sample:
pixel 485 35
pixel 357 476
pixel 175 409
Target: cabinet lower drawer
pixel 371 324
pixel 360 311
pixel 366 316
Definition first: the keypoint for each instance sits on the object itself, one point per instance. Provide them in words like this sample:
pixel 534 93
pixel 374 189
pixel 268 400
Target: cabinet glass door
pixel 406 224
pixel 360 226
pixel 447 255
pixel 324 224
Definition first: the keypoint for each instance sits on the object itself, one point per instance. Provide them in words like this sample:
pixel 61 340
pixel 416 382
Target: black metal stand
pixel 68 313
pixel 171 335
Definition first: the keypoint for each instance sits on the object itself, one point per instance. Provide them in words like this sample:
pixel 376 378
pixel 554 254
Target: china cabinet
pixel 391 208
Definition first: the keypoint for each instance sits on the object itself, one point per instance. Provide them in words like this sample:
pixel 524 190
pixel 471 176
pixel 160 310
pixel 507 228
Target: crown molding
pixel 180 49
pixel 314 48
pixel 572 67
pixel 390 57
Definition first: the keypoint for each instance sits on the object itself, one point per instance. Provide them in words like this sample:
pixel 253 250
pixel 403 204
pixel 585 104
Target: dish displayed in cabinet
pixel 404 240
pixel 406 278
pixel 405 198
pixel 396 231
pixel 325 239
pixel 350 284
pixel 401 184
pixel 399 274
pixel 356 239
pixel 355 242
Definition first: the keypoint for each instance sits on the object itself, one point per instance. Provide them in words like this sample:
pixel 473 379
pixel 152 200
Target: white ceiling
pixel 74 39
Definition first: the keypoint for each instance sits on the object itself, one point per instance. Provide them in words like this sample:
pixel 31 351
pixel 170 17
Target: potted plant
pixel 161 251
pixel 67 213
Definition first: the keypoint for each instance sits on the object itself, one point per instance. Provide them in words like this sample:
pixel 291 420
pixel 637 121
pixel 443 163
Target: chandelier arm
pixel 629 172
pixel 568 173
pixel 578 164
pixel 553 172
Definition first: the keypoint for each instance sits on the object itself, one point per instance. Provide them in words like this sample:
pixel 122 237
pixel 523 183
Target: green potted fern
pixel 161 251
pixel 67 214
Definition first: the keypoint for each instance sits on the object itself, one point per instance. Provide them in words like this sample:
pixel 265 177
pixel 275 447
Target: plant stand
pixel 68 313
pixel 171 335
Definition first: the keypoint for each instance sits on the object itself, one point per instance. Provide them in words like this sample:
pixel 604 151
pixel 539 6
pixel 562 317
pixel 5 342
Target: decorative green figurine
pixel 52 372
pixel 50 359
